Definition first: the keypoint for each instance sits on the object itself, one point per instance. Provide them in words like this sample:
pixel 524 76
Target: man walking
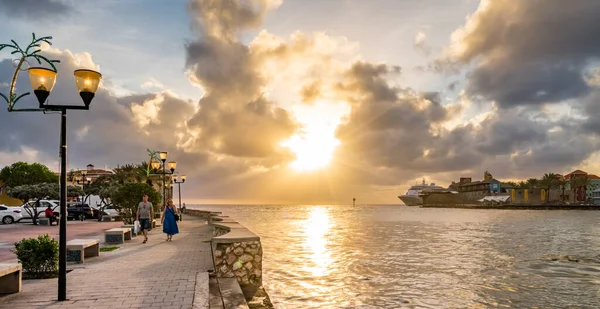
pixel 144 214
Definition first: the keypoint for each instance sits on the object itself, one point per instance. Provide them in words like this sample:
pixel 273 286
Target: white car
pixel 9 214
pixel 28 208
pixel 111 211
pixel 107 211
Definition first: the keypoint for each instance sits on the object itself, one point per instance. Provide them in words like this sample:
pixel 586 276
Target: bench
pixel 117 235
pixel 46 221
pixel 79 249
pixel 132 227
pixel 10 278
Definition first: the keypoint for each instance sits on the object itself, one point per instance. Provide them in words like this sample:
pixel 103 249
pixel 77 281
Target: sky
pixel 315 102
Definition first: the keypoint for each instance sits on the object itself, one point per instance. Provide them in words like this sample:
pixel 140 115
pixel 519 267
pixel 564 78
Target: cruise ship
pixel 413 196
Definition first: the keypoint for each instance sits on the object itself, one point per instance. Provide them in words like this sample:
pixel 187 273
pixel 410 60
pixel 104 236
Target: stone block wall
pixel 240 260
pixel 198 213
pixel 218 231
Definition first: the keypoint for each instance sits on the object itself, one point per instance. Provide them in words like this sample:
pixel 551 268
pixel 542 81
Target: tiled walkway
pixel 11 233
pixel 157 274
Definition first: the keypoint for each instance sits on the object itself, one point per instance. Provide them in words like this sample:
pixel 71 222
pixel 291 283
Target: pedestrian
pixel 169 220
pixel 50 215
pixel 144 214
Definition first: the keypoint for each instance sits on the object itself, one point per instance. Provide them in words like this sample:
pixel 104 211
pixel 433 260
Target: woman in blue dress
pixel 168 220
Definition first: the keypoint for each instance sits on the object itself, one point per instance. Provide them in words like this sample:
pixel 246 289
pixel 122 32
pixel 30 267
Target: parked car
pixel 28 208
pixel 9 214
pixel 106 211
pixel 79 211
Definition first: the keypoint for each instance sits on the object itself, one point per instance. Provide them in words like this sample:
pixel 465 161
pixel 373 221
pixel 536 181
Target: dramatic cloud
pixel 270 100
pixel 235 117
pixel 528 52
pixel 34 9
pixel 420 44
pixel 399 134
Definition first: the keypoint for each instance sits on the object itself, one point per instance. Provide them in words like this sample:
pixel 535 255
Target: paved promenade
pixel 157 274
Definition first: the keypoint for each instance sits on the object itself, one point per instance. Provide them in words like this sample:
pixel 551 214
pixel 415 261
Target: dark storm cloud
pixel 34 9
pixel 397 131
pixel 529 52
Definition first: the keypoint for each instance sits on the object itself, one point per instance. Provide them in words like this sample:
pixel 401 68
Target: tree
pixel 549 181
pixel 562 184
pixel 22 173
pixel 532 183
pixel 106 188
pixel 129 173
pixel 579 182
pixel 38 192
pixel 512 184
pixel 129 195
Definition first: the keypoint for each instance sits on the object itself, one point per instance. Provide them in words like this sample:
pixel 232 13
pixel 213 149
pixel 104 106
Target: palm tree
pixel 129 173
pixel 523 185
pixel 579 182
pixel 562 183
pixel 549 180
pixel 532 183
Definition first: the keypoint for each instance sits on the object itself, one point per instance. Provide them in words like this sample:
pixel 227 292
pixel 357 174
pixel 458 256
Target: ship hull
pixel 411 200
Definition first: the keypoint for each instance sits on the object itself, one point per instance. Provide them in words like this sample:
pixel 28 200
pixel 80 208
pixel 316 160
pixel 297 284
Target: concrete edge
pixel 232 294
pixel 201 294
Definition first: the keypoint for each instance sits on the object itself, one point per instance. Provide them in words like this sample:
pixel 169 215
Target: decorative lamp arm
pixel 34 46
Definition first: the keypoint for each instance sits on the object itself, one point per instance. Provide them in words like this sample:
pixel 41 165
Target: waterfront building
pixel 577 191
pixel 91 173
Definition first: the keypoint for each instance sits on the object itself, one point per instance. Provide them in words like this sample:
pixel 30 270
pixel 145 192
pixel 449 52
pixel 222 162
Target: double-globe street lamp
pixel 83 180
pixel 179 182
pixel 42 81
pixel 156 166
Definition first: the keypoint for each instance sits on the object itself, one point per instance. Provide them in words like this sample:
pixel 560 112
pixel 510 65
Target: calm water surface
pixel 404 257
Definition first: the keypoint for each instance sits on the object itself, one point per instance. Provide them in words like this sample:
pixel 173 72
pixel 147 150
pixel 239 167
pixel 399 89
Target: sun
pixel 313 149
pixel 315 144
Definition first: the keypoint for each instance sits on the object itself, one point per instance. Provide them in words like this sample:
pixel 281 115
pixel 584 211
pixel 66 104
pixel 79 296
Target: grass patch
pixel 109 249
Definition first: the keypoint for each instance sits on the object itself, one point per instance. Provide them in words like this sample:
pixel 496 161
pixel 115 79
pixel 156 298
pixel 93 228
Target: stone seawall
pixel 240 260
pixel 237 253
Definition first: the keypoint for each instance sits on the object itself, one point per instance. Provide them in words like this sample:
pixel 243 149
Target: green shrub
pixel 39 257
pixel 128 197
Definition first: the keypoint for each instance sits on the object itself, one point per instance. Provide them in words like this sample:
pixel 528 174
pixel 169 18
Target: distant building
pixel 582 193
pixel 475 190
pixel 596 196
pixel 91 173
pixel 574 174
pixel 593 184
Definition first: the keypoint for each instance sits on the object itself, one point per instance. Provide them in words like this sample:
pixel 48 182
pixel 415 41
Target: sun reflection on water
pixel 316 240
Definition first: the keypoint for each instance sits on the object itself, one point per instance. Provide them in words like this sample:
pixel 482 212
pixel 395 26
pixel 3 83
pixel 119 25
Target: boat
pixel 414 195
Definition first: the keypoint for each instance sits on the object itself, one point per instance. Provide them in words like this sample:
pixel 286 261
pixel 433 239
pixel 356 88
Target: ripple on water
pixel 402 257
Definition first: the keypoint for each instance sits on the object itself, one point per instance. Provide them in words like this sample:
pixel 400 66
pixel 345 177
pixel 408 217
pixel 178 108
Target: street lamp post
pixel 83 181
pixel 156 165
pixel 179 182
pixel 42 81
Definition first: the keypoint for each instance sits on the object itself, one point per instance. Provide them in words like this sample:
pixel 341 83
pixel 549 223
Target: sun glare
pixel 316 231
pixel 315 144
